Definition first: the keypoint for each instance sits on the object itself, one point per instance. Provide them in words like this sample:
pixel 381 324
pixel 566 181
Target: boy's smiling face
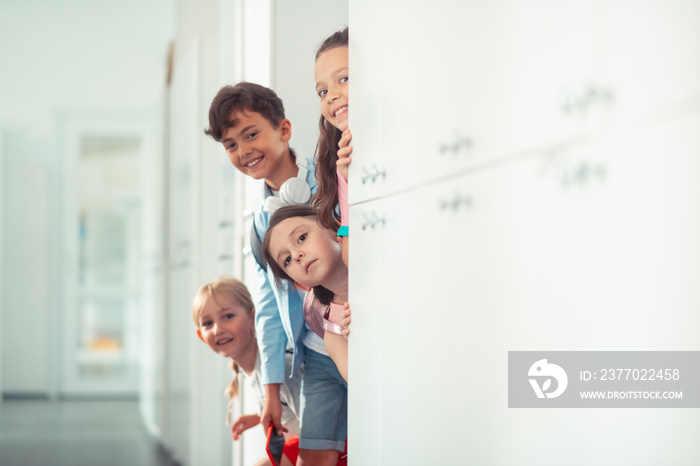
pixel 258 149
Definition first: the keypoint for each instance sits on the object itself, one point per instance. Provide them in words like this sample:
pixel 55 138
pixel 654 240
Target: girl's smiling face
pixel 331 73
pixel 309 254
pixel 228 329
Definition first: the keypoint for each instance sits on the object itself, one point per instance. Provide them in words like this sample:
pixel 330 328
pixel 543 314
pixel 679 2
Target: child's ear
pixel 199 334
pixel 338 239
pixel 286 130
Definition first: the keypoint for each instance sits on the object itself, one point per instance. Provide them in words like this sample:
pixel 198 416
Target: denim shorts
pixel 324 404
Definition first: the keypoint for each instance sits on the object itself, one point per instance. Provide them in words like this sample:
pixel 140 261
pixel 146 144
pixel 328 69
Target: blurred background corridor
pixel 115 208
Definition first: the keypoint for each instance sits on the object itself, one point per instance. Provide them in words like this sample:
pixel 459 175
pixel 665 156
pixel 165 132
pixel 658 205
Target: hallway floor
pixel 76 433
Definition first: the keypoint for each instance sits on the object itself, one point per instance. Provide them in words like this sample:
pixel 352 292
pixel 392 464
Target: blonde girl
pixel 224 315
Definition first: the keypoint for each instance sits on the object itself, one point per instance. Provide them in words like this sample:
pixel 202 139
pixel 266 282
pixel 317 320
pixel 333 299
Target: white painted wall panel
pixel 560 239
pixel 26 203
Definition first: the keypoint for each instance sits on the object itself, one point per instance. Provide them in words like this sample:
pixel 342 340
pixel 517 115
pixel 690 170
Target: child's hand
pixel 344 152
pixel 272 409
pixel 244 423
pixel 346 320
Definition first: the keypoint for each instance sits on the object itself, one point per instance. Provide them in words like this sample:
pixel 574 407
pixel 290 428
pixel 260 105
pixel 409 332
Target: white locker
pixel 565 219
pixel 648 54
pixel 542 253
pixel 451 85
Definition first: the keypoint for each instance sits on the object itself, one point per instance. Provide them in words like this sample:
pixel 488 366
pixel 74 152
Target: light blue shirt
pixel 279 313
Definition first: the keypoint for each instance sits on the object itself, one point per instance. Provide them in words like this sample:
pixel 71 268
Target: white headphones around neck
pixel 294 191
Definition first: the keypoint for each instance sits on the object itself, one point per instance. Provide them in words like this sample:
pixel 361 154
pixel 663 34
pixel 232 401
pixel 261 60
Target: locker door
pixel 492 79
pixel 409 344
pixel 550 252
pixel 601 256
pixel 648 55
pixel 367 276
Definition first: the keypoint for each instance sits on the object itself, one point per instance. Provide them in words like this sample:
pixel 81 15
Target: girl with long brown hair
pixel 333 149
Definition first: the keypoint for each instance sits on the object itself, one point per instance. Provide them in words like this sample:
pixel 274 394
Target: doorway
pixel 100 332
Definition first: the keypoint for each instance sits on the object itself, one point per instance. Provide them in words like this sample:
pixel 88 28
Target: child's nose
pixel 332 94
pixel 243 150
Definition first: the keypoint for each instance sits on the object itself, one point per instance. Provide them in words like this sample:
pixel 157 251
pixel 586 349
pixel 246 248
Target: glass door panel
pixel 101 336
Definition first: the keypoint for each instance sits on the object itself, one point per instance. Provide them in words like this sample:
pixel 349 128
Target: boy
pixel 248 120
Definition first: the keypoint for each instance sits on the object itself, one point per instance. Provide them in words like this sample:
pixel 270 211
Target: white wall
pixel 80 53
pixel 199 184
pixel 77 54
pixel 299 28
pixel 27 186
pixel 2 242
pixel 548 187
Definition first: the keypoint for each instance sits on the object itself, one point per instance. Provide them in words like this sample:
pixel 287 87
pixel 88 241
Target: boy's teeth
pixel 341 110
pixel 254 162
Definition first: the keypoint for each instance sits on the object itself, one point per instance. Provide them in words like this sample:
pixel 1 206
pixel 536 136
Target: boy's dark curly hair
pixel 244 96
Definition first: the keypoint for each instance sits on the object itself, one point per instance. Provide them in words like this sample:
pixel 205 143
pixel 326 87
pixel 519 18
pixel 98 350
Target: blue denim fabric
pixel 324 404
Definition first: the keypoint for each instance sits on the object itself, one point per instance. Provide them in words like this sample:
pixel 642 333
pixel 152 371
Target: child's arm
pixel 272 341
pixel 244 423
pixel 337 345
pixel 344 152
pixel 272 409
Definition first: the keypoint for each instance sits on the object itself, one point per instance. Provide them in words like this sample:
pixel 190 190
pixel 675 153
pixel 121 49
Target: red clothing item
pixel 291 451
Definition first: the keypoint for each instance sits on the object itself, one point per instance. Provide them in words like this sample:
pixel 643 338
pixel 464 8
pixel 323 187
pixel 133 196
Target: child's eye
pixel 229 316
pixel 206 323
pixel 302 238
pixel 287 260
pixel 231 146
pixel 322 93
pixel 252 135
pixel 343 80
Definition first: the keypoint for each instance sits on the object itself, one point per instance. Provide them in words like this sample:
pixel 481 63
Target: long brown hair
pixel 326 198
pixel 324 295
pixel 224 290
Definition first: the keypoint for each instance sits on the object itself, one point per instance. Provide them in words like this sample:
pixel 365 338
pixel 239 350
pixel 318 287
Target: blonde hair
pixel 224 290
